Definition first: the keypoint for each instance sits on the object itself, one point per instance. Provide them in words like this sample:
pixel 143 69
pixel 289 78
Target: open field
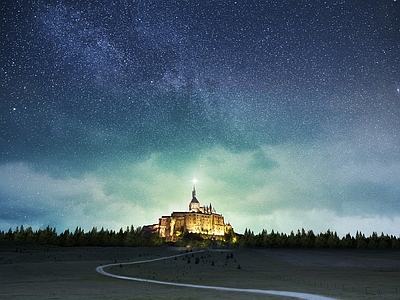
pixel 29 271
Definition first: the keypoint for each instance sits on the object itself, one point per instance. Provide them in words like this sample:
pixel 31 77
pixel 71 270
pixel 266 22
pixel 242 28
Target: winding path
pixel 100 269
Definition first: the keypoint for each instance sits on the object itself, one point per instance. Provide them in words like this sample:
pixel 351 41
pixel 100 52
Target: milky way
pixel 288 113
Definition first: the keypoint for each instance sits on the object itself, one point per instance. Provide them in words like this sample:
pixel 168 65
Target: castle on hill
pixel 202 220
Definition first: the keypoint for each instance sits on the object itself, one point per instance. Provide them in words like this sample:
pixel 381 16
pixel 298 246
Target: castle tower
pixel 194 205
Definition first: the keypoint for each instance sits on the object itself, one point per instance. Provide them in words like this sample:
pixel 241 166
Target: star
pixel 103 107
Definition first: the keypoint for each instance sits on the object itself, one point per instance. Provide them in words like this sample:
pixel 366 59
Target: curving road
pixel 100 269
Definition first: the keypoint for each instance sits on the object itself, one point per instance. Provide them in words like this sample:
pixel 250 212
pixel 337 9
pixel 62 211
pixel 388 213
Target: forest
pixel 309 239
pixel 136 237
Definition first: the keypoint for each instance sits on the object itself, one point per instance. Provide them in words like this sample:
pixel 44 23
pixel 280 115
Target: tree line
pixel 329 239
pixel 131 236
pixel 136 237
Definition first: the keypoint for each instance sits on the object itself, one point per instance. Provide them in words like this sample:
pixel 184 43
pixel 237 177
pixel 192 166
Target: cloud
pixel 30 197
pixel 335 183
pixel 291 178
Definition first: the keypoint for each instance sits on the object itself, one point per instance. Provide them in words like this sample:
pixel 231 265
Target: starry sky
pixel 286 112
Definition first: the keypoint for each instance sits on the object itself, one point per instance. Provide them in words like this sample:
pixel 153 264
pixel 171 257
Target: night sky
pixel 286 112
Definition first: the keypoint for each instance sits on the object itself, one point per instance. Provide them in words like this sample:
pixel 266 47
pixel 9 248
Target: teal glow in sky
pixel 287 113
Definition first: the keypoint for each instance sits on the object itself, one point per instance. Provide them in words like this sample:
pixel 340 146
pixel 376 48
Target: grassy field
pixel 30 271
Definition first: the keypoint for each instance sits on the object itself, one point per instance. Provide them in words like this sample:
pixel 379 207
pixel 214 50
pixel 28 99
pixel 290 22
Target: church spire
pixel 194 186
pixel 194 192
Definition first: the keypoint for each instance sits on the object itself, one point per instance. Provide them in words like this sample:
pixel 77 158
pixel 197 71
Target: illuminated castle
pixel 202 220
